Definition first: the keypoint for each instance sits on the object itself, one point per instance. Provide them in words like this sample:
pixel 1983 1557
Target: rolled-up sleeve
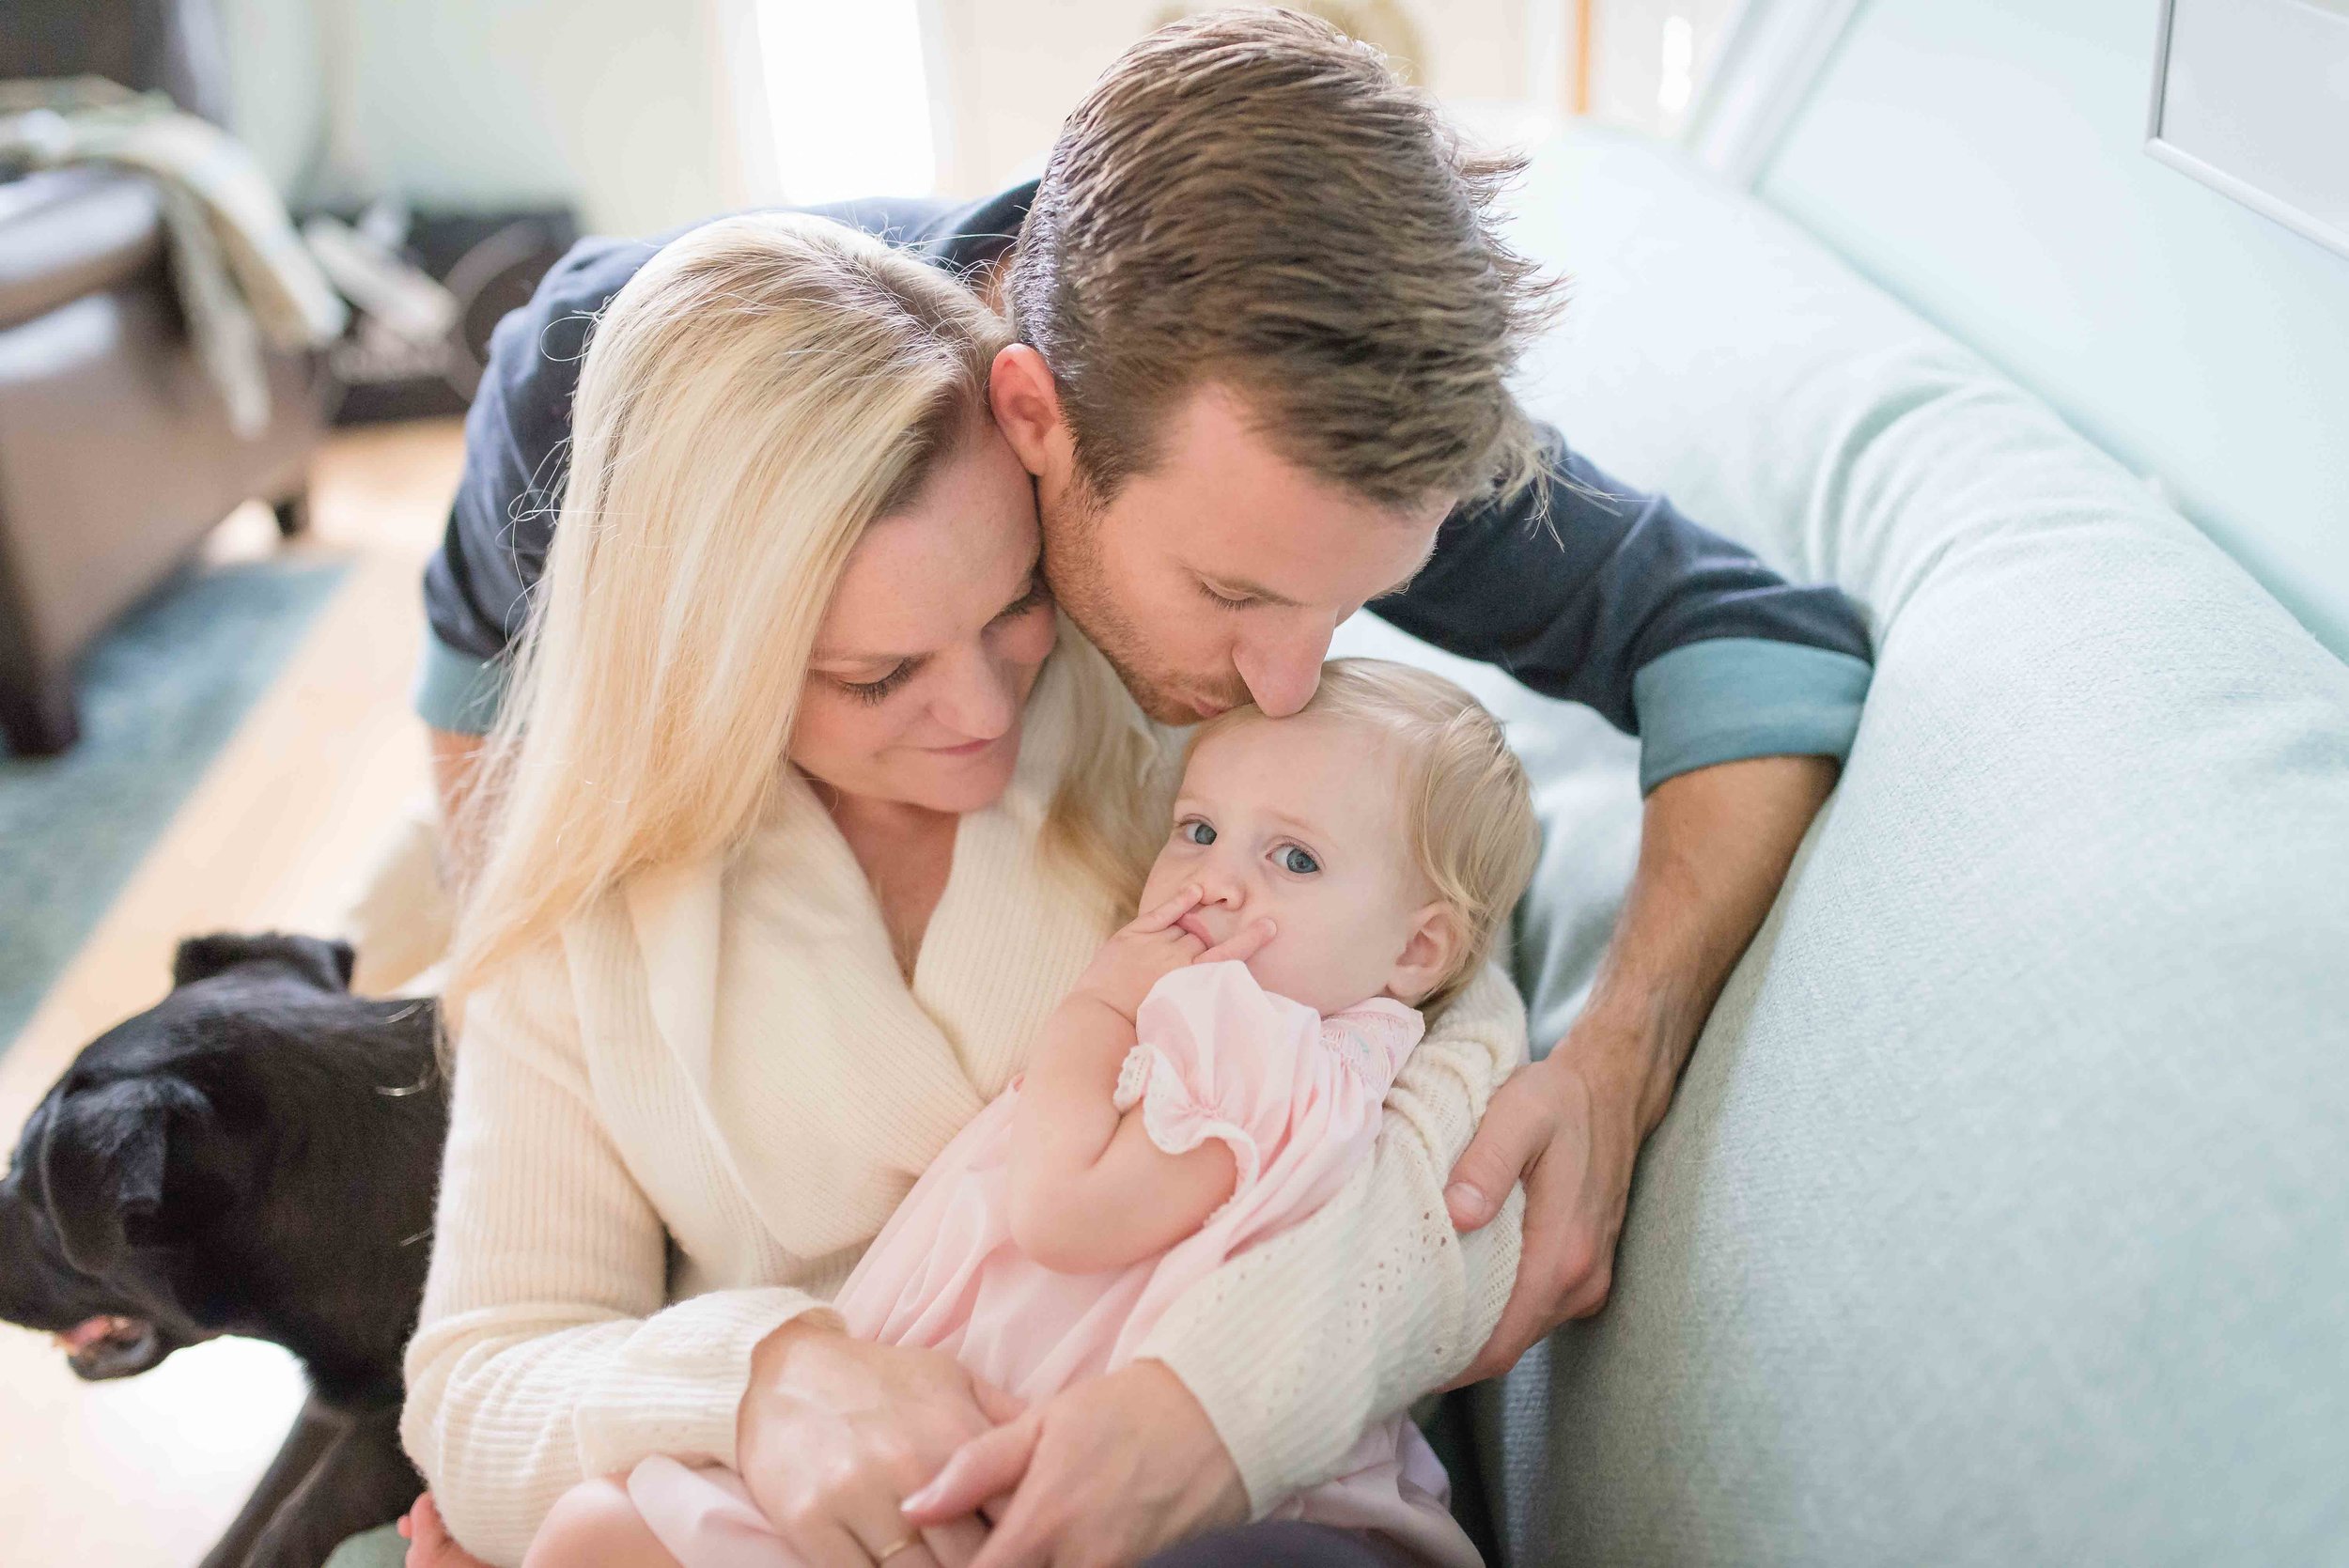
pixel 1588 590
pixel 478 583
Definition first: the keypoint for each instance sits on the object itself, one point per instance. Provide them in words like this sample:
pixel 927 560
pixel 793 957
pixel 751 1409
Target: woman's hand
pixel 1108 1471
pixel 835 1433
pixel 1152 946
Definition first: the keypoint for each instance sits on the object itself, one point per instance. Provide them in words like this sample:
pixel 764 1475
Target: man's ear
pixel 104 1158
pixel 1026 400
pixel 328 964
pixel 1433 947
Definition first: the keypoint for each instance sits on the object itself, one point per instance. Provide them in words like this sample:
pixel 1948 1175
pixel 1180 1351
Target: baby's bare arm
pixel 1089 1190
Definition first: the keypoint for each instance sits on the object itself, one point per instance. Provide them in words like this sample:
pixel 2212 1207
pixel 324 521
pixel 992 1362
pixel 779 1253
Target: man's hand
pixel 1107 1472
pixel 1713 847
pixel 1573 1150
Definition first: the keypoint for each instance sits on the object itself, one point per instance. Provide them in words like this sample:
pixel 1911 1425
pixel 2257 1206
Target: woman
pixel 807 815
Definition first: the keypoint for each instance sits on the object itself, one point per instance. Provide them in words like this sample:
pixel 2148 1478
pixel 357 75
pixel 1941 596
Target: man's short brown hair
pixel 1254 199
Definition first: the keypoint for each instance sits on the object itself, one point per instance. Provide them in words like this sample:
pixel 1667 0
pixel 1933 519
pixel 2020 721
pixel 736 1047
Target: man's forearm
pixel 1714 850
pixel 456 769
pixel 1715 847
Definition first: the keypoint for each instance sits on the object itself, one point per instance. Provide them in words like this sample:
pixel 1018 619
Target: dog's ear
pixel 327 963
pixel 104 1158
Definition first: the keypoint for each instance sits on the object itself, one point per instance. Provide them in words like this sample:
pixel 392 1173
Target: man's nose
pixel 1283 669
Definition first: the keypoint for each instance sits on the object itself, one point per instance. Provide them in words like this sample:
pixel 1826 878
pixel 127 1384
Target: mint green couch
pixel 2003 1214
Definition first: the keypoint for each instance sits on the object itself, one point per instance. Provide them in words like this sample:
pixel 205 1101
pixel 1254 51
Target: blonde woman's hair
pixel 1467 807
pixel 760 391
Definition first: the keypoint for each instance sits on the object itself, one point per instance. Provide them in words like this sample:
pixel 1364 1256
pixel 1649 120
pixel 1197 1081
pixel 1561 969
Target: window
pixel 2251 96
pixel 847 98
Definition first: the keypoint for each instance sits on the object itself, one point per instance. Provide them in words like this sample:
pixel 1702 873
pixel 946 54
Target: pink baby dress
pixel 1296 1097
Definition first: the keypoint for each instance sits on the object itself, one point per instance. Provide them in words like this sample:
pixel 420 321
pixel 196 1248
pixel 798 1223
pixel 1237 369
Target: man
pixel 1265 330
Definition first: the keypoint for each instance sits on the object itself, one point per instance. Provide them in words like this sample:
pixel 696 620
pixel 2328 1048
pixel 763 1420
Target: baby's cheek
pixel 1285 967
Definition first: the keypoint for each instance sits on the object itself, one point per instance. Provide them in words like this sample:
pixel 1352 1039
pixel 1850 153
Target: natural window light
pixel 1678 78
pixel 847 94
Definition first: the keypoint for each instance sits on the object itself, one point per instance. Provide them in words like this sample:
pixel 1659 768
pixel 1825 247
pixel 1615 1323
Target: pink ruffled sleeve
pixel 1216 1056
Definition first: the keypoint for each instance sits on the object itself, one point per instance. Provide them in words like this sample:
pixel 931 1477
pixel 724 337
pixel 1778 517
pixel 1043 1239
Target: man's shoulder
pixel 577 289
pixel 959 236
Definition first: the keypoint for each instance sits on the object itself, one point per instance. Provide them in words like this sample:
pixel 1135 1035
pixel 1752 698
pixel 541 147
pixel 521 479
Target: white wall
pixel 619 105
pixel 1984 160
pixel 630 107
pixel 276 97
pixel 1015 68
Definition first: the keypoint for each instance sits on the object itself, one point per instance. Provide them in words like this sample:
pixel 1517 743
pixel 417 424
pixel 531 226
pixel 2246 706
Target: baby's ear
pixel 1438 938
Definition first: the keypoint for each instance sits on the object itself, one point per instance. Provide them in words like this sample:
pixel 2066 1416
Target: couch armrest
pixel 69 233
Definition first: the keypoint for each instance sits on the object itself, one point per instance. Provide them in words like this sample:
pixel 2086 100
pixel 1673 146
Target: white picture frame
pixel 2240 146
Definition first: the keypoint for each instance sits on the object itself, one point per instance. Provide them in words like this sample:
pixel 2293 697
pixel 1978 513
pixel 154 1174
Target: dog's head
pixel 127 1162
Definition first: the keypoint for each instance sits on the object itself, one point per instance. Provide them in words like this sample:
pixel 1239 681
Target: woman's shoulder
pixel 603 939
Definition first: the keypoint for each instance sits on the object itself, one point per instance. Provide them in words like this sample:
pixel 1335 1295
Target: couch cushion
pixel 2003 1213
pixel 67 233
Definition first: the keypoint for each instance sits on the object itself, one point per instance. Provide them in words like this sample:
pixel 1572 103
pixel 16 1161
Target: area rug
pixel 160 694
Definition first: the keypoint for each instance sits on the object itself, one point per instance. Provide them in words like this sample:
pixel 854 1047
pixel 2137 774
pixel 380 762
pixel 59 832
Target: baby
pixel 1183 1104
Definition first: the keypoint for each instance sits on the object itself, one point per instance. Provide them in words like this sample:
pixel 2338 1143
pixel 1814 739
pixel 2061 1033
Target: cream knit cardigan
pixel 677 1127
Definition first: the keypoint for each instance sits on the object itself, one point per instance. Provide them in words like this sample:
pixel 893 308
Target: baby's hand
pixel 429 1544
pixel 1153 946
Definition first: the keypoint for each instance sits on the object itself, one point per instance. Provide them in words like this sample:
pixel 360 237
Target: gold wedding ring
pixel 907 1544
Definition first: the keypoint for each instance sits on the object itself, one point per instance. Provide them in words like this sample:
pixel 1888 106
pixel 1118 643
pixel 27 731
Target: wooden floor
pixel 281 832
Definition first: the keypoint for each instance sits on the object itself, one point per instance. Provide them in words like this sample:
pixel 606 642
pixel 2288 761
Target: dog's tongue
pixel 83 1335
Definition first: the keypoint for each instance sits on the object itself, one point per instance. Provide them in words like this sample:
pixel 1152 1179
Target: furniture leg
pixel 293 514
pixel 363 1481
pixel 36 714
pixel 315 1430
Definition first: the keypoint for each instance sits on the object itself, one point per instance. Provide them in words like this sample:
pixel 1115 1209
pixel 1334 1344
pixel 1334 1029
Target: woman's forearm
pixel 1350 1316
pixel 504 1413
pixel 545 1353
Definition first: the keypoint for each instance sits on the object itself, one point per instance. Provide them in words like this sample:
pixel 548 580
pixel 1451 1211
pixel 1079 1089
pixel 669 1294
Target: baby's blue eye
pixel 1299 860
pixel 1197 833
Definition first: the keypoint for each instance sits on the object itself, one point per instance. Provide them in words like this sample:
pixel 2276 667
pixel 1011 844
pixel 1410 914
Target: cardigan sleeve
pixel 546 1353
pixel 1297 1345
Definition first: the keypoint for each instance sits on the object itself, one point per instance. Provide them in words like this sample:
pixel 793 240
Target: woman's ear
pixel 1428 955
pixel 1026 401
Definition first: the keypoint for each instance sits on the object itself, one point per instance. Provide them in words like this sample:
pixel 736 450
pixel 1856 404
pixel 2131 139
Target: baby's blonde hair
pixel 1467 807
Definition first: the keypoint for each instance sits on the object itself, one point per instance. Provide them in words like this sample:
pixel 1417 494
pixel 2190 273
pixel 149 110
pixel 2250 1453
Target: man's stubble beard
pixel 1080 585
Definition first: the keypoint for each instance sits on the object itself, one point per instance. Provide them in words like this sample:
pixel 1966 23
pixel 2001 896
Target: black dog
pixel 256 1156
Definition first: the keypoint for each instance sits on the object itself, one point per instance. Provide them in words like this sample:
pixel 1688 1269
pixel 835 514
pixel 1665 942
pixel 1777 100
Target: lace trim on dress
pixel 1372 1043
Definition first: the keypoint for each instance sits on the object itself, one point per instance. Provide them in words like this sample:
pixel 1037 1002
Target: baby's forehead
pixel 1318 730
pixel 1325 760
